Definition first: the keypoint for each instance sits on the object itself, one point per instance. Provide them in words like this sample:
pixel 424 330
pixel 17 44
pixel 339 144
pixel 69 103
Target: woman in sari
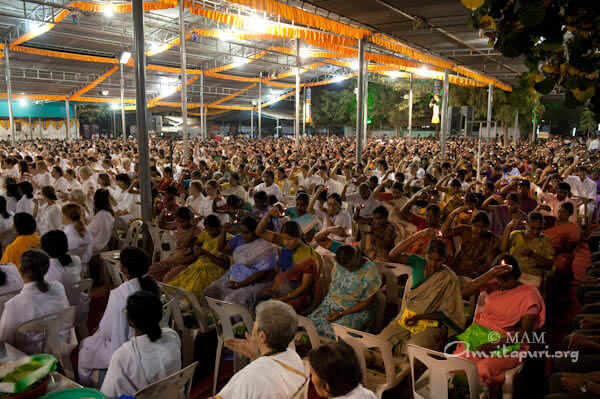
pixel 210 265
pixel 510 309
pixel 532 249
pixel 308 221
pixel 296 280
pixel 381 236
pixel 565 237
pixel 185 232
pixel 478 247
pixel 354 283
pixel 254 261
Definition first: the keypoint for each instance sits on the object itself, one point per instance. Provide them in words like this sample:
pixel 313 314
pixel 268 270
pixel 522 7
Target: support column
pixel 534 126
pixel 11 119
pixel 517 135
pixel 359 105
pixel 297 125
pixel 183 56
pixel 277 129
pixel 260 106
pixel 123 126
pixel 202 111
pixel 444 117
pixel 366 103
pixel 304 115
pixel 140 94
pixel 68 119
pixel 251 120
pixel 40 124
pixel 410 107
pixel 75 129
pixel 114 124
pixel 479 151
pixel 30 129
pixel 489 112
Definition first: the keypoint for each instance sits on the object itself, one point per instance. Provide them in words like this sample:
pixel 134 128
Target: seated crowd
pixel 284 232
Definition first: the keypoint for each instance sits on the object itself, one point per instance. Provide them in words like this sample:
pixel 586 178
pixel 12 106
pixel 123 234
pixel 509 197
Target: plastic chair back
pixel 6 297
pixel 307 325
pixel 75 293
pixel 470 302
pixel 114 270
pixel 132 238
pixel 434 383
pixel 167 239
pixel 391 272
pixel 171 386
pixel 155 234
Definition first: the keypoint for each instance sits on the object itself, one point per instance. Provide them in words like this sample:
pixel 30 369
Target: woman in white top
pixel 72 180
pixel 25 204
pixel 195 199
pixel 114 330
pixel 7 233
pixel 78 196
pixel 103 220
pixel 10 278
pixel 37 298
pixel 336 372
pixel 78 236
pixel 65 269
pixel 12 197
pixel 47 214
pixel 335 216
pixel 152 354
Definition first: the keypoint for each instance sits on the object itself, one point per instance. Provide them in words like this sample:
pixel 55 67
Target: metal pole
pixel 30 129
pixel 489 111
pixel 114 124
pixel 68 119
pixel 359 106
pixel 11 119
pixel 202 124
pixel 140 94
pixel 517 135
pixel 304 115
pixel 182 54
pixel 366 102
pixel 40 122
pixel 479 152
pixel 297 125
pixel 260 106
pixel 277 129
pixel 466 123
pixel 410 107
pixel 444 126
pixel 123 127
pixel 534 126
pixel 252 121
pixel 205 122
pixel 75 130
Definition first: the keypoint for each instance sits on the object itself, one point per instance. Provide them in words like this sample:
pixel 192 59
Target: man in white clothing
pixel 269 185
pixel 276 372
pixel 584 188
pixel 594 145
pixel 61 185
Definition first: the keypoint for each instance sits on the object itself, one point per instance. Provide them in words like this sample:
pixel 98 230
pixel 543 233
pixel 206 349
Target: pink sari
pixel 502 312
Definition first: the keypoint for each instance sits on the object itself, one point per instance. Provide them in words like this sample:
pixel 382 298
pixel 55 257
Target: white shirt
pixel 49 218
pixel 14 281
pixel 266 378
pixel 7 233
pixel 273 189
pixel 195 204
pixel 238 191
pixel 73 185
pixel 342 219
pixel 42 179
pixel 67 276
pixel 207 209
pixel 11 205
pixel 28 305
pixel 594 145
pixel 359 392
pixel 101 228
pixel 140 362
pixel 78 245
pixel 25 205
pixel 369 204
pixel 61 185
pixel 585 189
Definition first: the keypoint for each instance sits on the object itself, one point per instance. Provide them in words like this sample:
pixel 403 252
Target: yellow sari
pixel 200 274
pixel 12 253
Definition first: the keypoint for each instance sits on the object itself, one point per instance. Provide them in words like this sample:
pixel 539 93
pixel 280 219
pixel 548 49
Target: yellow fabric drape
pixel 304 17
pixel 105 100
pixel 47 97
pixel 94 83
pixel 481 78
pixel 66 56
pixel 401 48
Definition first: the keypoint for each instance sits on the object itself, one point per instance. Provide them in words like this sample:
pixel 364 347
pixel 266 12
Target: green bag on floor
pixel 477 335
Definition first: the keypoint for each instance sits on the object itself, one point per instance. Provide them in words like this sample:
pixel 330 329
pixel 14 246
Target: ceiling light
pixel 256 24
pixel 105 92
pixel 125 57
pixel 37 28
pixel 354 65
pixel 22 102
pixel 226 35
pixel 108 10
pixel 305 53
pixel 114 106
pixel 394 74
pixel 426 72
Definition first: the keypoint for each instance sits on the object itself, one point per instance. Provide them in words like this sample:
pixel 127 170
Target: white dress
pixel 267 378
pixel 140 362
pixel 78 245
pixel 25 205
pixel 49 218
pixel 14 281
pixel 7 233
pixel 114 330
pixel 67 275
pixel 11 205
pixel 101 228
pixel 28 305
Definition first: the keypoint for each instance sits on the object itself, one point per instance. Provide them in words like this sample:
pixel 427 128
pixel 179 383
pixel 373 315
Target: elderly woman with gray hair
pixel 276 371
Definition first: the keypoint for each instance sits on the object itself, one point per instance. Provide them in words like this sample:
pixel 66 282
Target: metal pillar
pixel 68 119
pixel 114 124
pixel 365 103
pixel 123 127
pixel 444 117
pixel 410 107
pixel 252 121
pixel 297 125
pixel 260 106
pixel 75 130
pixel 359 106
pixel 489 111
pixel 11 119
pixel 534 126
pixel 479 151
pixel 140 94
pixel 304 115
pixel 202 111
pixel 30 129
pixel 517 135
pixel 182 54
pixel 277 129
pixel 40 122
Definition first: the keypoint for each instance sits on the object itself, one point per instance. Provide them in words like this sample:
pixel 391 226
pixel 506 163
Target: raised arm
pixel 261 229
pixel 486 204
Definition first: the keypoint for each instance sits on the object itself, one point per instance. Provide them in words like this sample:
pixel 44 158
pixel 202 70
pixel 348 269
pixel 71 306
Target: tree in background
pixel 587 121
pixel 334 108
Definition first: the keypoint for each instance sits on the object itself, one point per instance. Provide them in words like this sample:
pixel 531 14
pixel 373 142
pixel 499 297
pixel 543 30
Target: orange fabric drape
pixel 94 83
pixel 46 97
pixel 105 100
pixel 401 48
pixel 66 56
pixel 481 78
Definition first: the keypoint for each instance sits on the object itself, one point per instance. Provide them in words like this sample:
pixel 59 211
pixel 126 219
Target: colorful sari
pixel 200 274
pixel 162 270
pixel 541 246
pixel 561 235
pixel 293 264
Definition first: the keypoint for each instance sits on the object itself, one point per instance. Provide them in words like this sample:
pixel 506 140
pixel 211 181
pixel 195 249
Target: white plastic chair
pixel 392 271
pixel 113 266
pixel 50 326
pixel 74 292
pixel 167 238
pixel 134 234
pixel 223 312
pixel 6 297
pixel 433 384
pixel 155 234
pixel 360 342
pixel 184 303
pixel 307 325
pixel 170 387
